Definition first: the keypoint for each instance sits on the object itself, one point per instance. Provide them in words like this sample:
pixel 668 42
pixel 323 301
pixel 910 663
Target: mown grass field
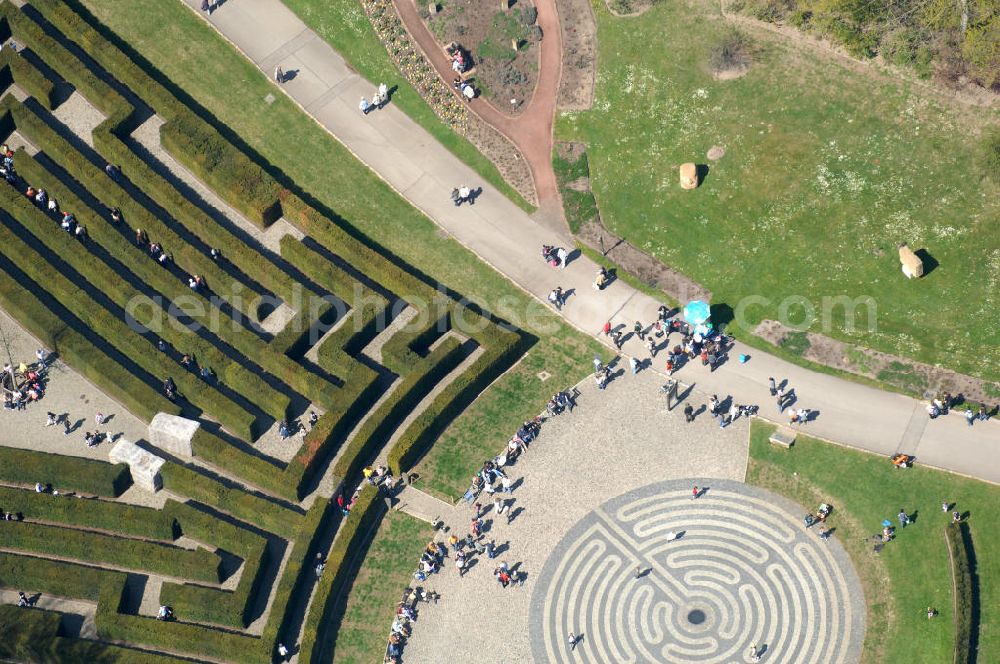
pixel 913 571
pixel 371 602
pixel 232 89
pixel 827 168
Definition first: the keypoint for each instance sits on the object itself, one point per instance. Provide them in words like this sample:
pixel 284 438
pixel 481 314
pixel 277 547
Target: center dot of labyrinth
pixel 656 576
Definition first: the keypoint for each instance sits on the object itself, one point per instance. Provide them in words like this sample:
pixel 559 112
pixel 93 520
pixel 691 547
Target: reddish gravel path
pixel 531 131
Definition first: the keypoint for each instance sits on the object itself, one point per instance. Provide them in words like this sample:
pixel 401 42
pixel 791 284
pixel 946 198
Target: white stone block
pixel 144 466
pixel 173 434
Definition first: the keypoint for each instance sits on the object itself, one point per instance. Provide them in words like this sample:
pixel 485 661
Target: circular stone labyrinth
pixel 742 570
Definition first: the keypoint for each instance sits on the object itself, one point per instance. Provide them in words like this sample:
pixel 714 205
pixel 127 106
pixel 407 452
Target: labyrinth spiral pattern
pixel 743 571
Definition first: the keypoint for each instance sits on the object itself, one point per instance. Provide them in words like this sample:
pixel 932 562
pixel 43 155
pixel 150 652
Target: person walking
pixel 772 386
pixel 734 412
pixel 383 94
pixel 904 519
pixel 618 339
pixel 364 106
pixel 633 364
pixel 638 330
pixel 597 363
pixel 554 299
pixel 99 418
pixel 606 329
pixel 688 413
pixel 695 492
pixel 779 396
pixel 713 404
pixel 50 419
pixel 651 346
pixel 279 75
pixel 969 416
pixel 66 426
pixel 572 639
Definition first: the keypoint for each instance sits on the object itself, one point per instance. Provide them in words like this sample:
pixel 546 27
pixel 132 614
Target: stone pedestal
pixel 173 434
pixel 783 438
pixel 145 467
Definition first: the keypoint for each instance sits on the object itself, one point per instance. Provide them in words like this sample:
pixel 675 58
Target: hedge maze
pixel 296 314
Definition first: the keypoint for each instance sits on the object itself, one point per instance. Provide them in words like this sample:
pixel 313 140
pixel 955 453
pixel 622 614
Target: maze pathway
pixel 743 571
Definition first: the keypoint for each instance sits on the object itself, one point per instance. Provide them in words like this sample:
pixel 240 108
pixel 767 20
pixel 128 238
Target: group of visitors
pixel 25 383
pixel 465 88
pixel 379 99
pixel 943 402
pixel 555 256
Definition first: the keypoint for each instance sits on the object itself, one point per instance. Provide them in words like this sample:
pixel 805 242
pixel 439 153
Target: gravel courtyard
pixel 613 442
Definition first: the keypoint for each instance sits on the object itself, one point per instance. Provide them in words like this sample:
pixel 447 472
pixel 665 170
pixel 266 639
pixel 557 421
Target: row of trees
pixel 954 40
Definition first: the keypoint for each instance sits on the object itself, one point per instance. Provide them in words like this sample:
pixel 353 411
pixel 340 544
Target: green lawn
pixel 826 170
pixel 912 572
pixel 344 25
pixel 371 603
pixel 216 76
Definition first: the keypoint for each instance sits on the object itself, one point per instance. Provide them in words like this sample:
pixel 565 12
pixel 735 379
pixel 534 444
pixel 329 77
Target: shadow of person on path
pixel 513 514
pixel 289 75
pixel 572 256
pixel 681 396
pixel 473 195
pixel 78 424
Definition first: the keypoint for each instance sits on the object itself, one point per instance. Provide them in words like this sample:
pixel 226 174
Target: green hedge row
pixel 412 388
pixel 320 634
pixel 959 542
pixel 241 379
pixel 32 635
pixel 94 364
pixel 298 574
pixel 244 184
pixel 199 565
pixel 65 473
pixel 247 507
pixel 449 404
pixel 256 471
pixel 173 636
pixel 210 605
pixel 110 135
pixel 122 518
pixel 55 577
pixel 27 77
pixel 239 181
pixel 105 323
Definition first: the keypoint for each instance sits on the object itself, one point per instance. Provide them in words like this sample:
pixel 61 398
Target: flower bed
pixel 413 65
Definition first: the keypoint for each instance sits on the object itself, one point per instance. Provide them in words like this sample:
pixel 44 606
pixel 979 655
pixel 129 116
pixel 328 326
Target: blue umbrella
pixel 886 523
pixel 697 312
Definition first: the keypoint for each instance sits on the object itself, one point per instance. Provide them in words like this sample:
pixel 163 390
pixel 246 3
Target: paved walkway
pixel 424 172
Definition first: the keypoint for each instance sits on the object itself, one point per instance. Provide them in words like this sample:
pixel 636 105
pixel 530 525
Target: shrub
pixel 65 473
pixel 255 471
pixel 732 51
pixel 527 16
pixel 989 158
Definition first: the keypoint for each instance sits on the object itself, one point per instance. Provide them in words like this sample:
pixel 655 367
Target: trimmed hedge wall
pixel 28 78
pixel 959 542
pixel 32 635
pixel 411 390
pixel 239 181
pixel 65 473
pixel 55 577
pixel 169 635
pixel 449 404
pixel 210 605
pixel 298 575
pixel 110 325
pixel 247 507
pixel 239 378
pixel 103 514
pixel 255 471
pixel 319 634
pixel 199 565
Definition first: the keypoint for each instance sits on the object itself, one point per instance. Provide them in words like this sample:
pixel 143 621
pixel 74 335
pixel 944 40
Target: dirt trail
pixel 531 131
